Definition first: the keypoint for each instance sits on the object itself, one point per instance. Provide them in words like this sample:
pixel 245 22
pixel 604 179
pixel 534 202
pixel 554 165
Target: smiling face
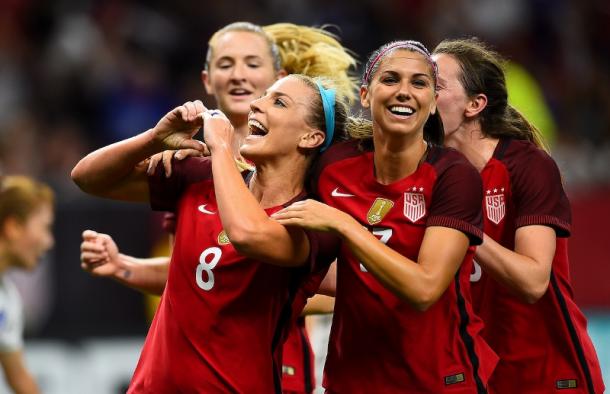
pixel 401 93
pixel 279 121
pixel 32 238
pixel 452 98
pixel 240 69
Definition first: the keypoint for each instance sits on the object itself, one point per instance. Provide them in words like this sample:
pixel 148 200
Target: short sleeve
pixel 11 320
pixel 456 200
pixel 323 250
pixel 166 191
pixel 538 194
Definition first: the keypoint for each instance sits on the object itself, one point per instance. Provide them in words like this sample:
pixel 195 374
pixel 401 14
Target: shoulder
pixel 450 162
pixel 521 157
pixel 193 169
pixel 337 153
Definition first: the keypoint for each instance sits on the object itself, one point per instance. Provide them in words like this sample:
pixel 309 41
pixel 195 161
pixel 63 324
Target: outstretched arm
pixel 527 269
pixel 100 257
pixel 421 282
pixel 248 227
pixel 118 171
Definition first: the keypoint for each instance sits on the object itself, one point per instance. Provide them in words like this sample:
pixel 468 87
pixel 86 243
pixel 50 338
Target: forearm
pixel 525 276
pixel 101 170
pixel 144 275
pixel 399 274
pixel 248 226
pixel 318 305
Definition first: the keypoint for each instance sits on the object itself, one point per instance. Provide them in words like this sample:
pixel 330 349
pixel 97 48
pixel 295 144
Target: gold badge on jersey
pixel 223 239
pixel 378 210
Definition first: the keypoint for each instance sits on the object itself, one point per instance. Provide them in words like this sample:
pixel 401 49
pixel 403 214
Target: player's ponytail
pixel 315 52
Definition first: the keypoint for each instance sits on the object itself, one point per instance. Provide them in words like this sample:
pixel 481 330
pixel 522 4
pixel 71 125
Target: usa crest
pixel 415 204
pixel 378 210
pixel 494 205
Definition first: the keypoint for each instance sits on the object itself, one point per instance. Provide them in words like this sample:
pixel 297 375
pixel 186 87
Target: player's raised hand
pixel 217 130
pixel 312 215
pixel 177 128
pixel 100 255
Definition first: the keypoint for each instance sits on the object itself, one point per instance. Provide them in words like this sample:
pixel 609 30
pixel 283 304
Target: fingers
pixel 89 235
pixel 152 163
pixel 184 153
pixel 166 157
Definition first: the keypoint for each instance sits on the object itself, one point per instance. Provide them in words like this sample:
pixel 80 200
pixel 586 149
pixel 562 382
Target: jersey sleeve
pixel 456 201
pixel 166 191
pixel 323 250
pixel 538 194
pixel 11 324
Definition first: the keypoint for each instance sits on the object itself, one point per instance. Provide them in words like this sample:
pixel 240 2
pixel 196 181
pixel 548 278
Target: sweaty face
pixel 401 93
pixel 452 98
pixel 35 237
pixel 240 70
pixel 278 120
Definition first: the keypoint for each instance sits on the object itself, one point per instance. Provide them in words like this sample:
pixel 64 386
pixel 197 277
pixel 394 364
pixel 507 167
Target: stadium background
pixel 76 75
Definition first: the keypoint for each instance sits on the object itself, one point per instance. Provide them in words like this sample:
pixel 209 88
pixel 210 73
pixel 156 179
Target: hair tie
pixel 328 102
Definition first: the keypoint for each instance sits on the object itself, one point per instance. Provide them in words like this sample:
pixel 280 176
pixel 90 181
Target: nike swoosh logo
pixel 202 209
pixel 337 193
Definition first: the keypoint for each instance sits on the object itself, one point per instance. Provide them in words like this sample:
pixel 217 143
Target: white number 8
pixel 207 267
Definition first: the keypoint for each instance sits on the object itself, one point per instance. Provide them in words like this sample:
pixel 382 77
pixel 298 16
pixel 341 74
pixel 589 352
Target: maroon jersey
pixel 297 361
pixel 222 315
pixel 379 343
pixel 543 347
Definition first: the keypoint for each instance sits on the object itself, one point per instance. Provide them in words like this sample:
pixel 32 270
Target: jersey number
pixel 207 267
pixel 384 235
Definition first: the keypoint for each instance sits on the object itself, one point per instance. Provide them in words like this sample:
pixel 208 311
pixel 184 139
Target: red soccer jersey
pixel 543 347
pixel 379 343
pixel 222 316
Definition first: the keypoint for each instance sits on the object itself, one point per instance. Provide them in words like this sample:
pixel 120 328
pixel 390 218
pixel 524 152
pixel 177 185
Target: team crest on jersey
pixel 494 205
pixel 378 210
pixel 415 204
pixel 223 239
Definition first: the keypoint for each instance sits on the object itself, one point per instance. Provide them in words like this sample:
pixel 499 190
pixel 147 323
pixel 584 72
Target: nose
pixel 238 73
pixel 255 105
pixel 404 91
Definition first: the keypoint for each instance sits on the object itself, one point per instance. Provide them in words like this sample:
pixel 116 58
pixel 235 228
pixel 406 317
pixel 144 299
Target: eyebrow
pixel 232 58
pixel 416 75
pixel 277 93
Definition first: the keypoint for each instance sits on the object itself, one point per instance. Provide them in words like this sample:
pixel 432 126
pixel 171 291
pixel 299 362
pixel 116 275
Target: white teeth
pixel 402 110
pixel 255 124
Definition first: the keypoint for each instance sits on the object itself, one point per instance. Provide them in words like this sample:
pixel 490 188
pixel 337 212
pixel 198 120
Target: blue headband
pixel 328 102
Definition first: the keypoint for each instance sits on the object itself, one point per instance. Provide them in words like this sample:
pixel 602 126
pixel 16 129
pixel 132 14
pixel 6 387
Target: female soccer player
pixel 523 291
pixel 241 62
pixel 408 213
pixel 222 314
pixel 26 218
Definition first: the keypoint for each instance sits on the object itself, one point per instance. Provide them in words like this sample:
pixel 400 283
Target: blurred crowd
pixel 76 75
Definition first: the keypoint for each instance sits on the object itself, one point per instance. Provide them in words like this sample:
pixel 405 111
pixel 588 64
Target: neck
pixel 397 157
pixel 275 183
pixel 5 257
pixel 472 143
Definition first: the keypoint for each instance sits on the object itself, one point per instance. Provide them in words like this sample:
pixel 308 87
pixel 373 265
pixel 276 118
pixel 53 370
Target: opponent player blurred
pixel 26 218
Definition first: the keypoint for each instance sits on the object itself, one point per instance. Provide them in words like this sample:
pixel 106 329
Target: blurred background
pixel 77 75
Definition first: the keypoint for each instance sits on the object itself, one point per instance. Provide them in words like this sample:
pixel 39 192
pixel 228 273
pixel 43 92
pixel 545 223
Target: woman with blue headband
pixel 408 213
pixel 234 271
